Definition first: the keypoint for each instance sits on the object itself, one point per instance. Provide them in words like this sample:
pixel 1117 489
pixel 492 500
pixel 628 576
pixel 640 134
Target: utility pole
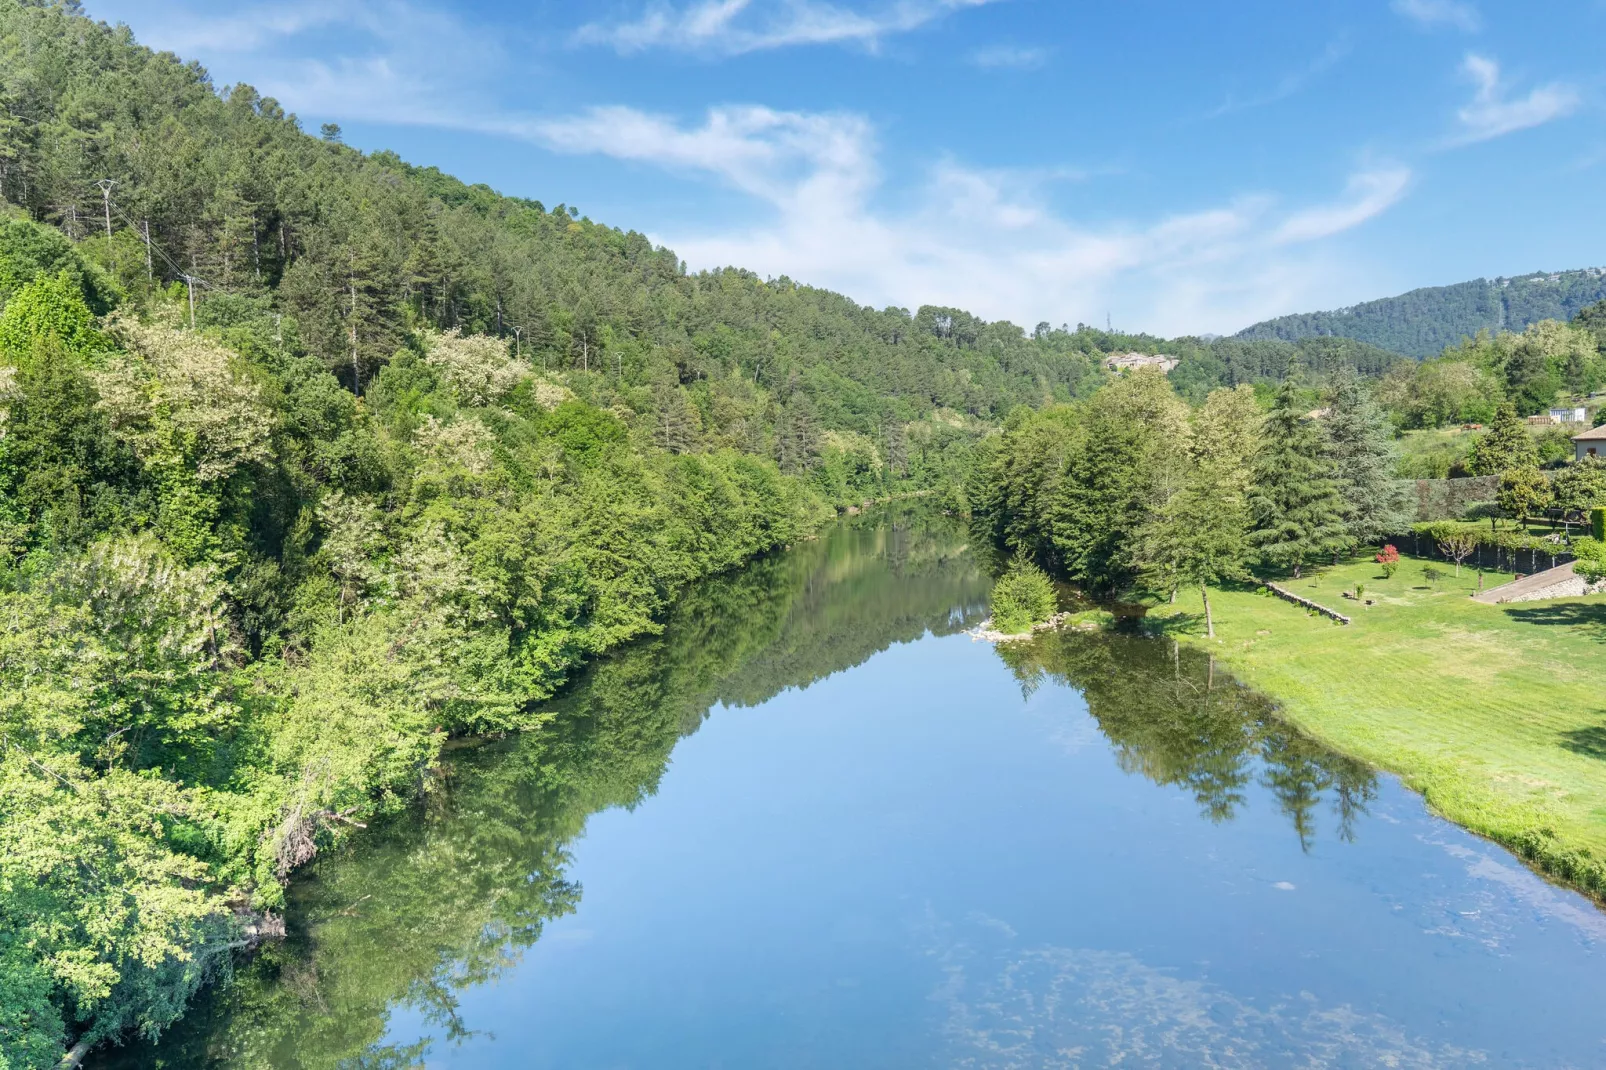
pixel 106 185
pixel 518 331
pixel 145 229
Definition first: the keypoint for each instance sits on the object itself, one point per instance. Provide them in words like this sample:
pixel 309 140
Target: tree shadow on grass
pixel 1589 742
pixel 1589 617
pixel 1175 624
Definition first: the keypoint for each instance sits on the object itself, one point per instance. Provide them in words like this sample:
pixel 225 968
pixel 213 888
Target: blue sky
pixel 1179 167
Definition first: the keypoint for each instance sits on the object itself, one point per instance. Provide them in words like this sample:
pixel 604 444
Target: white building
pixel 1591 443
pixel 1570 415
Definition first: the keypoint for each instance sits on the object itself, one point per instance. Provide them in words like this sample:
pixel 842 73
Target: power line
pixel 178 270
pixel 190 280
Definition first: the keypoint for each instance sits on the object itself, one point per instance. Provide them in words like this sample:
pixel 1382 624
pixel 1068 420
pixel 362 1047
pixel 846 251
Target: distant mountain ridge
pixel 1422 322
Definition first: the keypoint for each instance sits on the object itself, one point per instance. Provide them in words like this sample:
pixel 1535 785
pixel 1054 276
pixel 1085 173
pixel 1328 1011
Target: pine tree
pixel 896 448
pixel 797 442
pixel 1126 465
pixel 675 423
pixel 1505 446
pixel 1362 452
pixel 1298 514
pixel 1199 536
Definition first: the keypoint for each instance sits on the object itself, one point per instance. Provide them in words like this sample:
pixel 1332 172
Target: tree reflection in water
pixel 407 917
pixel 1171 714
pixel 411 915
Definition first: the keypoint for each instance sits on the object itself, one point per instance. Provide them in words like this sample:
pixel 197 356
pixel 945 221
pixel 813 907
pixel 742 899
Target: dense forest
pixel 1423 322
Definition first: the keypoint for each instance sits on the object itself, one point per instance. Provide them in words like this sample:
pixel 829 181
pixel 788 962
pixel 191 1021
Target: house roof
pixel 1594 434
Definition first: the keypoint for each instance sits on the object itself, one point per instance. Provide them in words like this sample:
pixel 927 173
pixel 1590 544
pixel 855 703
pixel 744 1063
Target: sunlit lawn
pixel 1496 713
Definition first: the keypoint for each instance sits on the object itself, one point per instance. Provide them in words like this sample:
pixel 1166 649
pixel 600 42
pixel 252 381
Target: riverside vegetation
pixel 1487 710
pixel 313 460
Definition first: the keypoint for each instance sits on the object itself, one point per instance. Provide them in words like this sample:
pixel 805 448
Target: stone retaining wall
pixel 1558 582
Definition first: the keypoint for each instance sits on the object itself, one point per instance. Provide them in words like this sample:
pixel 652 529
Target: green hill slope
pixel 1422 322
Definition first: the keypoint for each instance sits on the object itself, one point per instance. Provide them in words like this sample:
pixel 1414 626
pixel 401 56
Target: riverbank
pixel 1493 713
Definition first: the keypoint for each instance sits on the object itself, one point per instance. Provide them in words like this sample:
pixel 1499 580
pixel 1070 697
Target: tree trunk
pixel 75 1056
pixel 356 371
pixel 1210 622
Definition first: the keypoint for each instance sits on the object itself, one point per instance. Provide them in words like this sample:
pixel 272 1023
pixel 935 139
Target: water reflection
pixel 412 915
pixel 408 918
pixel 1174 717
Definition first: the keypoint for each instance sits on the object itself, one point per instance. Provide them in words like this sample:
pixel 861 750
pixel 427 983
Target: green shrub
pixel 1597 524
pixel 1022 597
pixel 1590 558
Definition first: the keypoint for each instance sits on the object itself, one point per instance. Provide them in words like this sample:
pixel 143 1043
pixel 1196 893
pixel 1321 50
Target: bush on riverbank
pixel 1022 597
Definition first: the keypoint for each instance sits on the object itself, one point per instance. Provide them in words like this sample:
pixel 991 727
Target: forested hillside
pixel 1423 322
pixel 359 252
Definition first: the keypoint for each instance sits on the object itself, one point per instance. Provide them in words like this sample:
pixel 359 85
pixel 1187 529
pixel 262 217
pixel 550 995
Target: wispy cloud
pixel 986 240
pixel 1369 194
pixel 1435 13
pixel 1491 113
pixel 246 30
pixel 1290 84
pixel 1012 57
pixel 397 61
pixel 734 27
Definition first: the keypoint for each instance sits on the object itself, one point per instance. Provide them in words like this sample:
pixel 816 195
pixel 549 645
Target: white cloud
pixel 1433 13
pixel 983 240
pixel 1491 114
pixel 397 61
pixel 734 27
pixel 1370 193
pixel 243 31
pixel 1009 56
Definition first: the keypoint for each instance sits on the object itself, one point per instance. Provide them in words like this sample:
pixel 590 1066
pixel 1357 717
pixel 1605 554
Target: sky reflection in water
pixel 930 855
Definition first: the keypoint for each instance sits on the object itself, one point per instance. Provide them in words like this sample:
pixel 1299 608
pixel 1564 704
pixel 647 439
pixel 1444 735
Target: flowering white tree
pixel 476 366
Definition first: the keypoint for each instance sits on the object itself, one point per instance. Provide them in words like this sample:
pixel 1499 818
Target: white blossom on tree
pixel 477 367
pixel 180 398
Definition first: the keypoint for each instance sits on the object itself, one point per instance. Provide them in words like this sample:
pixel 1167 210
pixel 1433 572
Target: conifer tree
pixel 1199 536
pixel 1298 514
pixel 1505 446
pixel 1361 447
pixel 1127 465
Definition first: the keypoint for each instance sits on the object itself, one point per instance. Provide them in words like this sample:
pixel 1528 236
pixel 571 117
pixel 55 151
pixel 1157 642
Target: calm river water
pixel 814 824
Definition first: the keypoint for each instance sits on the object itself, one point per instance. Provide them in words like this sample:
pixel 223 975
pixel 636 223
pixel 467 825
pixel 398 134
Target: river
pixel 814 824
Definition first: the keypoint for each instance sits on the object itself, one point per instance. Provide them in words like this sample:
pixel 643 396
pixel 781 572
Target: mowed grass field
pixel 1496 714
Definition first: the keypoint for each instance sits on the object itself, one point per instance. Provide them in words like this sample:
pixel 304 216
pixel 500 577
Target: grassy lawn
pixel 1497 714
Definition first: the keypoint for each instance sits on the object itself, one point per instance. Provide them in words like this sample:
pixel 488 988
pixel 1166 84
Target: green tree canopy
pixel 1506 445
pixel 1298 515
